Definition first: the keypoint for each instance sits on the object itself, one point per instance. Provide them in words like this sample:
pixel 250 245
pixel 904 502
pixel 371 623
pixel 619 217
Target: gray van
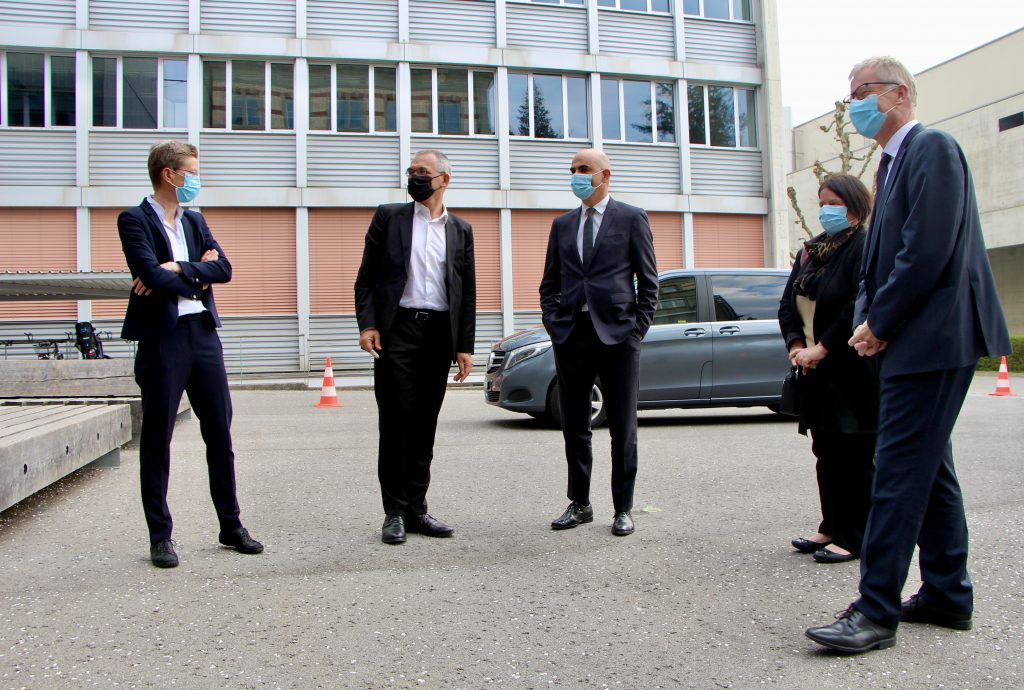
pixel 715 342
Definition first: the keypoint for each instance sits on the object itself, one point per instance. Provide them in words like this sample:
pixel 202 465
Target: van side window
pixel 747 297
pixel 677 301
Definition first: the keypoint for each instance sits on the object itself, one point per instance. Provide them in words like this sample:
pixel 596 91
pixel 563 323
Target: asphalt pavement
pixel 706 594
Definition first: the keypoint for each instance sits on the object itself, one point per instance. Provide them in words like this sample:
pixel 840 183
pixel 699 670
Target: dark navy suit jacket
pixel 623 252
pixel 926 284
pixel 146 247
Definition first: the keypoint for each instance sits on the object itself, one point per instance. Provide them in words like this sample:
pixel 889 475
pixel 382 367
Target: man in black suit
pixel 596 319
pixel 927 309
pixel 416 309
pixel 174 259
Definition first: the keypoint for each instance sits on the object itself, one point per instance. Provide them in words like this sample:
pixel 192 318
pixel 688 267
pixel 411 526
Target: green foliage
pixel 1014 362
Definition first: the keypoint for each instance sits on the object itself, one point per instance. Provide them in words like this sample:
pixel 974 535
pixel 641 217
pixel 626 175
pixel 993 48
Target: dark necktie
pixel 588 236
pixel 883 171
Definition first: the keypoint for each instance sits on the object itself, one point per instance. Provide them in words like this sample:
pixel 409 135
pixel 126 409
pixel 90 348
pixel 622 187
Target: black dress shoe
pixel 240 541
pixel 622 524
pixel 427 526
pixel 574 516
pixel 162 554
pixel 826 556
pixel 917 610
pixel 853 633
pixel 807 546
pixel 393 531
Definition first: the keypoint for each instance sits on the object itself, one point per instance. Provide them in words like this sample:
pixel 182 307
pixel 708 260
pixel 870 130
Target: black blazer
pixel 623 253
pixel 383 273
pixel 841 393
pixel 926 284
pixel 146 247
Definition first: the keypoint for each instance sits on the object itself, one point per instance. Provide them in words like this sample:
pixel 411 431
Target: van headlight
pixel 521 354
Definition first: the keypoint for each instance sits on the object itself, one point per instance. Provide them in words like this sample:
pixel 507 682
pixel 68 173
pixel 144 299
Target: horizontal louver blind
pixel 260 243
pixel 487 254
pixel 667 229
pixel 38 239
pixel 732 241
pixel 107 256
pixel 336 238
pixel 530 232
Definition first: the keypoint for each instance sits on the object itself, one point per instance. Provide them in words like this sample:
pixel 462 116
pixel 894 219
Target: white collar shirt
pixel 892 147
pixel 426 284
pixel 599 209
pixel 175 235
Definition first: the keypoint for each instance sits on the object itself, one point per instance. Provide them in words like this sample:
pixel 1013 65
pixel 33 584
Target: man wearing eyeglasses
pixel 416 310
pixel 927 309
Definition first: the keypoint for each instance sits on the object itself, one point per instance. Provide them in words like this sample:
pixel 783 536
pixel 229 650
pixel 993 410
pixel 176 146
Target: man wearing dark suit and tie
pixel 596 319
pixel 927 309
pixel 174 260
pixel 416 309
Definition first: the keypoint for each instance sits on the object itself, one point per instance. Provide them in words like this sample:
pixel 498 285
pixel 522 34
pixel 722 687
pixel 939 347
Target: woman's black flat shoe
pixel 807 546
pixel 826 556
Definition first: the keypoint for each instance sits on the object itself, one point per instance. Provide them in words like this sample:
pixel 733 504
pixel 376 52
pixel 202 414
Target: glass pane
pixel 746 298
pixel 353 98
pixel 722 116
pixel 175 93
pixel 691 7
pixel 547 107
pixel 319 97
pixel 695 104
pixel 248 89
pixel 104 92
pixel 677 302
pixel 610 110
pixel 422 92
pixel 637 5
pixel 576 92
pixel 518 105
pixel 606 3
pixel 282 99
pixel 748 117
pixel 452 101
pixel 741 9
pixel 636 96
pixel 483 102
pixel 666 94
pixel 573 2
pixel 716 9
pixel 660 6
pixel 25 90
pixel 214 101
pixel 138 95
pixel 62 91
pixel 385 100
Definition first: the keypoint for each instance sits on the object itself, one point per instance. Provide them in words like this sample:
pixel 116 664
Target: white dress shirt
pixel 175 235
pixel 426 287
pixel 599 209
pixel 892 147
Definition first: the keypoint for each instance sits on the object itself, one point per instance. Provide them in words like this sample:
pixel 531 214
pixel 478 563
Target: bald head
pixel 593 162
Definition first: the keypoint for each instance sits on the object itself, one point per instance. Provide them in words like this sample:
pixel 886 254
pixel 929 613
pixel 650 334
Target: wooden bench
pixel 40 444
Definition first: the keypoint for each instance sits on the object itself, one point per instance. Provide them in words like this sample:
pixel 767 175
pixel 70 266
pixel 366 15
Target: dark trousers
pixel 579 361
pixel 916 498
pixel 189 359
pixel 846 466
pixel 409 382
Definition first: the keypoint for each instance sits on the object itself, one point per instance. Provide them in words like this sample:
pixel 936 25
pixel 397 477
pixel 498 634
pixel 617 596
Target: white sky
pixel 820 40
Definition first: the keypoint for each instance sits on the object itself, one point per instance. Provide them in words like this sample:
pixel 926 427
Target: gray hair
pixel 443 165
pixel 890 69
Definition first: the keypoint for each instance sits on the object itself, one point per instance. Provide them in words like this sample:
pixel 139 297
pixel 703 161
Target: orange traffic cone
pixel 1003 382
pixel 328 393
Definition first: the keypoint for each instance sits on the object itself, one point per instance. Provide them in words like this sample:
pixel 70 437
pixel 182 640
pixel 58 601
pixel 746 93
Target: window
pixel 548 106
pixel 578 3
pixel 677 302
pixel 349 109
pixel 722 116
pixel 452 101
pixel 747 297
pixel 626 111
pixel 658 6
pixel 139 92
pixel 40 90
pixel 248 82
pixel 738 10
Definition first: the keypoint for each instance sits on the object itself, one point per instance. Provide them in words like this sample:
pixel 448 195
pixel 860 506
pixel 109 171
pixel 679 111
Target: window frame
pixel 623 139
pixel 581 4
pixel 229 95
pixel 48 113
pixel 732 13
pixel 471 112
pixel 119 92
pixel 656 13
pixel 532 136
pixel 371 86
pixel 735 114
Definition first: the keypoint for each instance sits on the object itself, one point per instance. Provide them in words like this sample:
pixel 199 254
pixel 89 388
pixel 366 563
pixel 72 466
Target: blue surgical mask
pixel 866 117
pixel 833 219
pixel 581 184
pixel 189 188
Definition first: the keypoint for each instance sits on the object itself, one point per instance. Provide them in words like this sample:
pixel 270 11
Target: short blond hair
pixel 890 69
pixel 168 154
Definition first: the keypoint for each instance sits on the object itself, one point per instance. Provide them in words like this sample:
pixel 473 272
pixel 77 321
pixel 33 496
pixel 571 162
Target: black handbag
pixel 789 403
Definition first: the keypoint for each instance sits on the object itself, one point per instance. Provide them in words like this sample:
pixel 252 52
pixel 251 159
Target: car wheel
pixel 598 415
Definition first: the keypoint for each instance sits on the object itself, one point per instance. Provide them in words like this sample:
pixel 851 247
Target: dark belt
pixel 421 314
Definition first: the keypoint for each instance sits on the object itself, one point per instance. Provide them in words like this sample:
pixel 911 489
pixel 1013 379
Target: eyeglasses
pixel 420 171
pixel 860 93
pixel 185 172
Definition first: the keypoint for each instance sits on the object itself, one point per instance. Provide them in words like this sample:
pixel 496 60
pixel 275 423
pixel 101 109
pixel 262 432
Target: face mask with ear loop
pixel 867 119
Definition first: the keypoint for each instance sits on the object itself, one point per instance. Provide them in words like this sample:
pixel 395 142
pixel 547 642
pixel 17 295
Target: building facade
pixel 306 113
